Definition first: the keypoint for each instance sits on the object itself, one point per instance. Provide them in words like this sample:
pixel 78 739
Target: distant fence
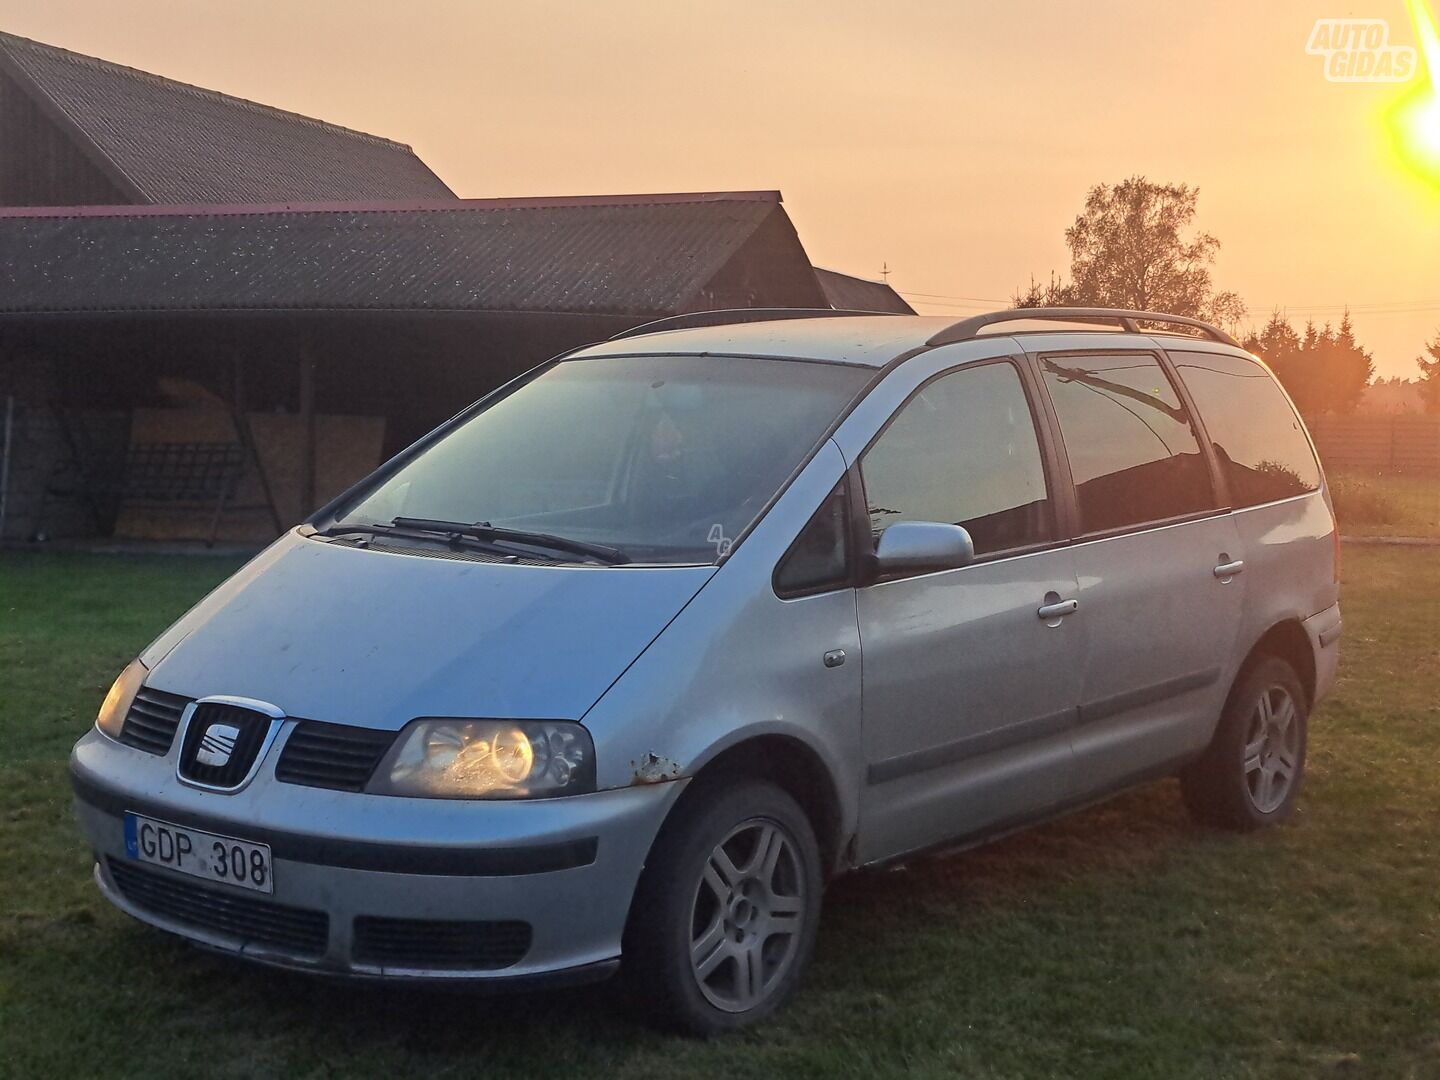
pixel 1404 444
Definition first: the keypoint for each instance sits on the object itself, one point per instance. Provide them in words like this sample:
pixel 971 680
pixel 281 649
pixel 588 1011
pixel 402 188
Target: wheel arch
pixel 1286 640
pixel 792 763
pixel 798 769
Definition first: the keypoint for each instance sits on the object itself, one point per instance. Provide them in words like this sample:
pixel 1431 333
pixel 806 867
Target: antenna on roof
pixel 885 272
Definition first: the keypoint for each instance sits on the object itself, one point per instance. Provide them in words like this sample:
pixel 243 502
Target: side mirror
pixel 923 547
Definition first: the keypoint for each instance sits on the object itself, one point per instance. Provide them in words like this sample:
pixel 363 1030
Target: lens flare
pixel 1415 121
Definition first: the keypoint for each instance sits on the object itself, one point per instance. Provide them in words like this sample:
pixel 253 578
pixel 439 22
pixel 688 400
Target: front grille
pixel 332 755
pixel 428 944
pixel 297 930
pixel 209 718
pixel 151 722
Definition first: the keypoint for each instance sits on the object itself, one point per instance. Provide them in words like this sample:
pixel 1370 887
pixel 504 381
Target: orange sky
pixel 952 140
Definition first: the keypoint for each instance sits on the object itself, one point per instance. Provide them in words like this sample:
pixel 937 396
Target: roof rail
pixel 726 316
pixel 966 329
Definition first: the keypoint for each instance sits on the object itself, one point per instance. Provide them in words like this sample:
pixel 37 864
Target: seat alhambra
pixel 624 662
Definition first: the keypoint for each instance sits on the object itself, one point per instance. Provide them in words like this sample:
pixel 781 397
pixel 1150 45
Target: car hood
pixel 331 632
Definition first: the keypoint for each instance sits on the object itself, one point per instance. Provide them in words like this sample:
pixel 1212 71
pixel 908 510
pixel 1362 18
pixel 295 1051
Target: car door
pixel 968 693
pixel 1158 561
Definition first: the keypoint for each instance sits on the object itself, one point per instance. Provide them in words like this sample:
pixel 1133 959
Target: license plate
pixel 199 854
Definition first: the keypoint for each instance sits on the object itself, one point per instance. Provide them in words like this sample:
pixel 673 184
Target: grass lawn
pixel 1119 942
pixel 1387 505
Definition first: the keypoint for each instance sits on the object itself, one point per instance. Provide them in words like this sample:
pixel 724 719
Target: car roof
pixel 871 340
pixel 866 340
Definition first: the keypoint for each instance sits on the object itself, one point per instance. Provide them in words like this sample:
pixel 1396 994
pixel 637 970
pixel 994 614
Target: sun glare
pixel 1416 120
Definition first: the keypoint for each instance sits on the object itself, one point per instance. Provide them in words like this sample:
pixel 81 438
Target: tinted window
pixel 1262 449
pixel 818 560
pixel 1133 454
pixel 963 450
pixel 668 458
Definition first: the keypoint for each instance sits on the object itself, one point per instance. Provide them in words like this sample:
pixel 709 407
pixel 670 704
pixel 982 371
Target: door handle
pixel 1058 610
pixel 1229 569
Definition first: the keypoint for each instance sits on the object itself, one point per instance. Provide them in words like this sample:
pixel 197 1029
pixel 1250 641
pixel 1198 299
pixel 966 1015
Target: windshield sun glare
pixel 665 458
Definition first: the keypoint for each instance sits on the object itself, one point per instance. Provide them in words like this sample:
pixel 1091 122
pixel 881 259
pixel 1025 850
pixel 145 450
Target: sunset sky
pixel 953 141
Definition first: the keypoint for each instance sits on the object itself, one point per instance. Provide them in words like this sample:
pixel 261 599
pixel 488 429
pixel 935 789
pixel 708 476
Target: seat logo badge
pixel 217 744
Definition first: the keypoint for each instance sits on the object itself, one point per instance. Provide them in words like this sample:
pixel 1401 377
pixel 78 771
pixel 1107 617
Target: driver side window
pixel 963 451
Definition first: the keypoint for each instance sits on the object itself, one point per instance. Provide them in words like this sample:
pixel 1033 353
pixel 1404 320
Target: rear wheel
pixel 724 919
pixel 1250 774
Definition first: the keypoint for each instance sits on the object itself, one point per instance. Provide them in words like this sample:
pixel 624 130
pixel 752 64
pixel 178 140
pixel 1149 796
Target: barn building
pixel 849 293
pixel 214 314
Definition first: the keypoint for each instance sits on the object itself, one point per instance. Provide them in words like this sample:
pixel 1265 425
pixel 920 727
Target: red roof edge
pixel 226 210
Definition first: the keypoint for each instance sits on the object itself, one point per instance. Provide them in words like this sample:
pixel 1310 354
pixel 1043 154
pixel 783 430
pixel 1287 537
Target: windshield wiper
pixel 483 530
pixel 375 528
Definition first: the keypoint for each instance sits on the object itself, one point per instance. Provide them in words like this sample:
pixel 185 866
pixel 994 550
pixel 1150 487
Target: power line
pixel 949 296
pixel 958 302
pixel 967 308
pixel 962 302
pixel 1353 309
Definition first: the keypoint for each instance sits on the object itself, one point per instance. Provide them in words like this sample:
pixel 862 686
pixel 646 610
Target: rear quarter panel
pixel 1289 560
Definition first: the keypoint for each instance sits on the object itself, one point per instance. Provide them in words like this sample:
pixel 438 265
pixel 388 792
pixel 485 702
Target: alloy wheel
pixel 747 916
pixel 1272 750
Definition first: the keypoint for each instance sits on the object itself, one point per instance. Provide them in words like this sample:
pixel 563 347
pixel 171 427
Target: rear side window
pixel 963 451
pixel 1262 448
pixel 1133 454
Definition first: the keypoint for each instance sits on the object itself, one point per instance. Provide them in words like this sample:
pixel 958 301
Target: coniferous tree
pixel 1347 370
pixel 1325 370
pixel 1430 375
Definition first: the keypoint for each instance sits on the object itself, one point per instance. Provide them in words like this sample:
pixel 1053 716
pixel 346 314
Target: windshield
pixel 666 458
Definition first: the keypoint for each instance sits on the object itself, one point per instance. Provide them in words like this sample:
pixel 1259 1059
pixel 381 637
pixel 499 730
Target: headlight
pixel 117 702
pixel 488 759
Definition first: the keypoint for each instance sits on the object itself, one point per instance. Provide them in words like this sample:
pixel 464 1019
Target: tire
pixel 1249 775
pixel 749 918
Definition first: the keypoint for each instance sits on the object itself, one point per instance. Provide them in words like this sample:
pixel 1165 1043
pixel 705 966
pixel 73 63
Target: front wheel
pixel 1249 776
pixel 724 919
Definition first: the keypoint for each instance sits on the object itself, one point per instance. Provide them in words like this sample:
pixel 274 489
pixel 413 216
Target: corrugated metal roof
pixel 626 255
pixel 850 293
pixel 169 142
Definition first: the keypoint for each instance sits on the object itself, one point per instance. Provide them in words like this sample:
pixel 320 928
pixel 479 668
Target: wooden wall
pixel 347 449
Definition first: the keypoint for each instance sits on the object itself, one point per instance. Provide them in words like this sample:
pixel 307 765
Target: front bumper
pixel 566 867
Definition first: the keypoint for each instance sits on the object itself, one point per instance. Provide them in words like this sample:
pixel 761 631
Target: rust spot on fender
pixel 654 769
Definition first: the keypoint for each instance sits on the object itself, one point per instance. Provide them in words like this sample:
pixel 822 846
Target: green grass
pixel 1377 504
pixel 1119 942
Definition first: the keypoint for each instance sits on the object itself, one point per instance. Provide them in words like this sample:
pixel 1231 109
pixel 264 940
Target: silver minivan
pixel 628 659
